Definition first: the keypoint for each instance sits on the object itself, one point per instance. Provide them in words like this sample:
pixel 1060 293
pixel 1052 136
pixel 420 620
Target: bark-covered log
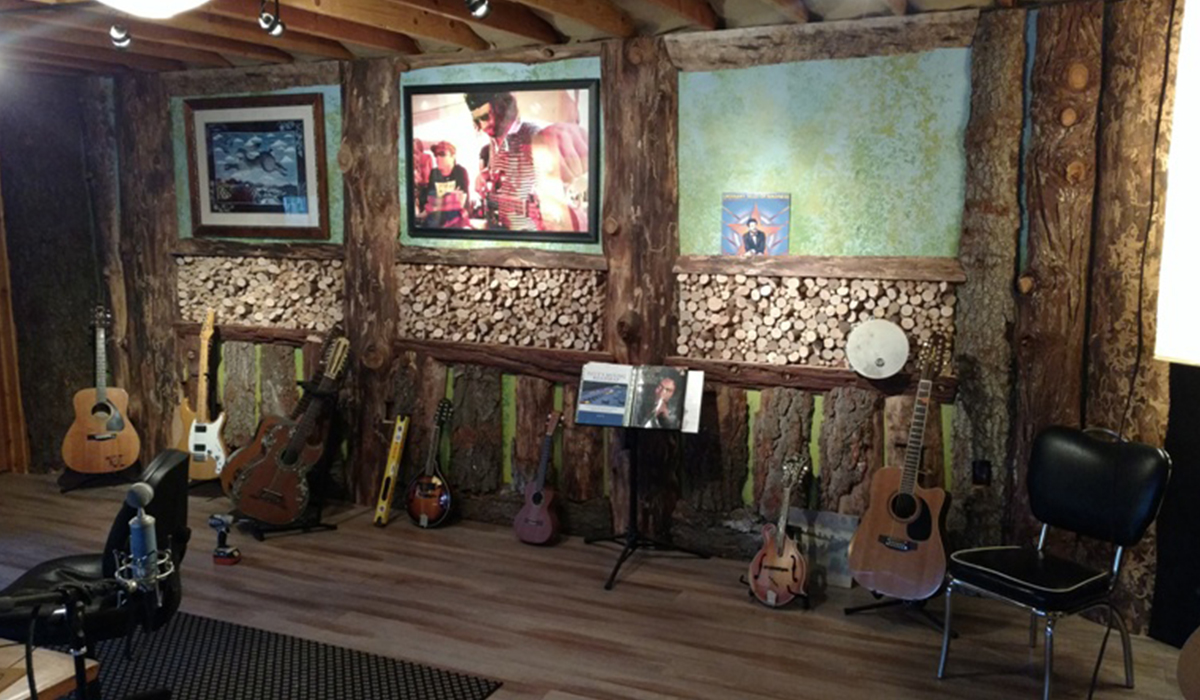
pixel 475 430
pixel 782 430
pixel 856 267
pixel 851 447
pixel 897 420
pixel 14 443
pixel 988 252
pixel 1060 179
pixel 277 379
pixel 716 459
pixel 421 385
pixel 370 165
pixel 535 401
pixel 240 400
pixel 562 366
pixel 522 258
pixel 583 455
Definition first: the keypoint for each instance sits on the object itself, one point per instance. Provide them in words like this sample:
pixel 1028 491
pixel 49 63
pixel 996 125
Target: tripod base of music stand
pixel 917 606
pixel 634 541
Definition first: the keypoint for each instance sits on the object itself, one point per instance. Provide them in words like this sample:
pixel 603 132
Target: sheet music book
pixel 644 396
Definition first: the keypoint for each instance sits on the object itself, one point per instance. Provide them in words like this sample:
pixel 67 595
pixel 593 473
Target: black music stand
pixel 633 538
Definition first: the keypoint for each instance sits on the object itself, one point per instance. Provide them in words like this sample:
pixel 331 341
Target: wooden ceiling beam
pixel 601 14
pixel 52 25
pixel 43 69
pixel 393 17
pixel 323 26
pixel 697 12
pixel 246 28
pixel 505 16
pixel 91 53
pixel 794 10
pixel 179 31
pixel 81 64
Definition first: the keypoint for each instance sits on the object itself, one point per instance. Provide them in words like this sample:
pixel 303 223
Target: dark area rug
pixel 199 658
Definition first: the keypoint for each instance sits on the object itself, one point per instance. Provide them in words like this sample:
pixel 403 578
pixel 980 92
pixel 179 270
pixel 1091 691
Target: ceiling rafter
pixel 697 12
pixel 794 10
pixel 394 17
pixel 92 53
pixel 505 16
pixel 80 64
pixel 601 14
pixel 48 25
pixel 247 29
pixel 323 26
pixel 177 33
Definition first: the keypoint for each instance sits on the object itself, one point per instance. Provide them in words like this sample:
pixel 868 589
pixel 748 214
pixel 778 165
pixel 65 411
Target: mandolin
pixel 193 432
pixel 779 571
pixel 272 471
pixel 101 439
pixel 537 523
pixel 427 499
pixel 897 550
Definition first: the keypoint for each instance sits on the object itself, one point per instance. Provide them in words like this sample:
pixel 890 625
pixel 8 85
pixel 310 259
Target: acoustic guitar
pixel 537 522
pixel 897 550
pixel 779 571
pixel 428 499
pixel 272 481
pixel 101 439
pixel 1188 670
pixel 193 432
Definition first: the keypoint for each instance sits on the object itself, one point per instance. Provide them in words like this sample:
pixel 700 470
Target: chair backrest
pixel 167 475
pixel 1104 490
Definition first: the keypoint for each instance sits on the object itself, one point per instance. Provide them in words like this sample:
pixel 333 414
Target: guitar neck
pixel 435 444
pixel 305 426
pixel 202 384
pixel 101 366
pixel 544 461
pixel 781 528
pixel 916 437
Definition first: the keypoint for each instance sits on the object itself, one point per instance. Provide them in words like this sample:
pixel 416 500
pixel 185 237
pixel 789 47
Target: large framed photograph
pixel 256 166
pixel 504 161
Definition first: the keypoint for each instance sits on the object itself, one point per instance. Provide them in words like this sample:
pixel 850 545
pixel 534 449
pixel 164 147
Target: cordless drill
pixel 224 554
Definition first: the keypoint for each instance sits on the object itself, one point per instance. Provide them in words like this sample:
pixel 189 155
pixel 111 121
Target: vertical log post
pixel 535 401
pixel 370 166
pixel 14 442
pixel 1052 291
pixel 851 447
pixel 241 384
pixel 782 430
pixel 475 430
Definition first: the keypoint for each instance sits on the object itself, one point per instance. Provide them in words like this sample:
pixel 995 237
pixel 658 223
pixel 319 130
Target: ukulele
pixel 193 432
pixel 897 550
pixel 101 439
pixel 271 485
pixel 537 523
pixel 779 571
pixel 427 499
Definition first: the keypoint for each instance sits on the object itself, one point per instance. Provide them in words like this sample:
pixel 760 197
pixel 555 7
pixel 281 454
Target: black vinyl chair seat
pixel 1034 579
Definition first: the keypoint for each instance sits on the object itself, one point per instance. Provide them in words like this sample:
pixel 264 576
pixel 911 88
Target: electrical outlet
pixel 981 472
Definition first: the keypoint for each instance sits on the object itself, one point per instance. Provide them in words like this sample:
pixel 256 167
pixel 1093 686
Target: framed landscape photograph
pixel 256 166
pixel 503 161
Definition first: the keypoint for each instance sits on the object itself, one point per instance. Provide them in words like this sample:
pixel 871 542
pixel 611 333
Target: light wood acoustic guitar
pixel 1188 670
pixel 537 521
pixel 272 471
pixel 101 439
pixel 193 432
pixel 897 550
pixel 779 572
pixel 428 499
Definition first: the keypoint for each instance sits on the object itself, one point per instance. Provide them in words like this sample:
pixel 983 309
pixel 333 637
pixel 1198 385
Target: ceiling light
pixel 121 38
pixel 270 21
pixel 478 8
pixel 154 9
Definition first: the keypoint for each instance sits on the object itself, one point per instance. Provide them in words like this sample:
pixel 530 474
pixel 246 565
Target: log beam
pixel 310 26
pixel 794 10
pixel 505 16
pixel 698 13
pixel 394 17
pixel 14 441
pixel 604 15
pixel 87 29
pixel 856 267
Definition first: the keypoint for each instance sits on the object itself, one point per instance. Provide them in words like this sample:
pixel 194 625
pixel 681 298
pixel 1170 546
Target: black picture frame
pixel 497 225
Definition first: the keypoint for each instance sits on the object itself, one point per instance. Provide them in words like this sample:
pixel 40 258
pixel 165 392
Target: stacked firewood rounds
pixel 263 292
pixel 562 309
pixel 801 320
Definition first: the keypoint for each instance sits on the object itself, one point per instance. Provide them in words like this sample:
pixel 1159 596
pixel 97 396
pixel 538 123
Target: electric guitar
pixel 779 571
pixel 272 481
pixel 101 439
pixel 427 499
pixel 897 550
pixel 537 523
pixel 193 432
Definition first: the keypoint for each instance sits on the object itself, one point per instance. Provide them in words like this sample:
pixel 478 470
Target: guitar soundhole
pixel 904 506
pixel 101 411
pixel 538 498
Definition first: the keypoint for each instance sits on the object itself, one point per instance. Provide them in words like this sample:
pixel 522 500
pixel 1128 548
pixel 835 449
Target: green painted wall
pixel 871 150
pixel 332 98
pixel 572 69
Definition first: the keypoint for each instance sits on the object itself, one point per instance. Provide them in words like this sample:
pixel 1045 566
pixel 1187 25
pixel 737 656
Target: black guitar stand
pixel 632 538
pixel 917 606
pixel 71 480
pixel 308 522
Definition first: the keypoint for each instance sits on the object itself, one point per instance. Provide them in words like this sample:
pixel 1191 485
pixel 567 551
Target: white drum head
pixel 877 349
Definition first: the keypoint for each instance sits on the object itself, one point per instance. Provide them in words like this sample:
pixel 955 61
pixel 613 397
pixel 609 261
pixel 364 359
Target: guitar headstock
pixel 933 357
pixel 794 470
pixel 444 410
pixel 335 359
pixel 207 330
pixel 552 422
pixel 101 317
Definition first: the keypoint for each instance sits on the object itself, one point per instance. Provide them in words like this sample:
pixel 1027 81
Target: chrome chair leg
pixel 1049 656
pixel 1032 629
pixel 1124 630
pixel 946 631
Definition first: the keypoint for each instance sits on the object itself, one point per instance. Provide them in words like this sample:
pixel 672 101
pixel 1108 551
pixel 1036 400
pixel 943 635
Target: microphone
pixel 143 542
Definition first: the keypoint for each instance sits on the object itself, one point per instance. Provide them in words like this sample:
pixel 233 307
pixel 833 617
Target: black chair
pixel 1101 489
pixel 104 618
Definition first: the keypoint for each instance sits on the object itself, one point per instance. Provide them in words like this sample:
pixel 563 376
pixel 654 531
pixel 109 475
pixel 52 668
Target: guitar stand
pixel 71 480
pixel 917 606
pixel 307 523
pixel 632 538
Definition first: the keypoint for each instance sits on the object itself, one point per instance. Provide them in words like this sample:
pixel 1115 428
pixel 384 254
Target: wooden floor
pixel 470 598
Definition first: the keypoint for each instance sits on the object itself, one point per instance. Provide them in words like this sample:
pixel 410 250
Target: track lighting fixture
pixel 478 8
pixel 121 38
pixel 270 21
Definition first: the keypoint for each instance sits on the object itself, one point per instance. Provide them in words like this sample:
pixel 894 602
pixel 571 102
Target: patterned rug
pixel 199 658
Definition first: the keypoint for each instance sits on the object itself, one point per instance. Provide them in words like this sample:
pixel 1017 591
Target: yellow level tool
pixel 387 489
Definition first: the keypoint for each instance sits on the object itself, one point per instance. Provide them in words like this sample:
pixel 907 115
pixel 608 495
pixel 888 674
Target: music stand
pixel 633 538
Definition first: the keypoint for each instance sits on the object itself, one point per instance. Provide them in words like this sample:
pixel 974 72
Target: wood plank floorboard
pixel 470 598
